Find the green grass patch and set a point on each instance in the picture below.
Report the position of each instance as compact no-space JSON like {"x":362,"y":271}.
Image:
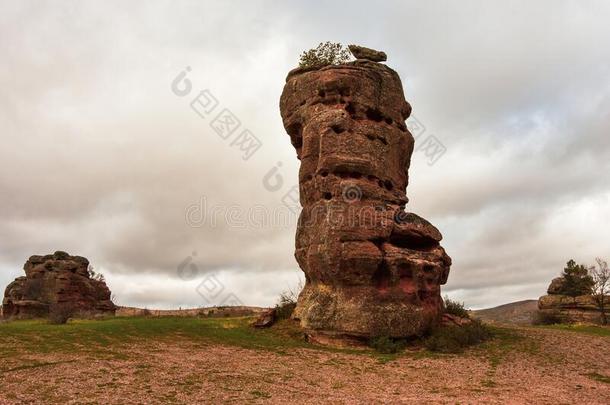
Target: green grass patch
{"x":111,"y":338}
{"x":587,"y":329}
{"x":387,"y":345}
{"x":506,"y":341}
{"x":454,"y":339}
{"x":599,"y":377}
{"x":260,"y":394}
{"x":35,"y":365}
{"x":103,"y":336}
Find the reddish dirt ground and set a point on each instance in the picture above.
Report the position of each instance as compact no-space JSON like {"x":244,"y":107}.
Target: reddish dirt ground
{"x":548,"y":366}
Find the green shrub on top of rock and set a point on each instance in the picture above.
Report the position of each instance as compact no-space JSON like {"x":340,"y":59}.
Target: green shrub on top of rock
{"x":327,"y":53}
{"x":576,"y":280}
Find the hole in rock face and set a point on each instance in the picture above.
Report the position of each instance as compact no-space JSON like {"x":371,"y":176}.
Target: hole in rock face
{"x":321,"y":93}
{"x":349,"y":107}
{"x":388,"y":185}
{"x":308,"y":177}
{"x":405,"y":271}
{"x":295,"y":129}
{"x":413,"y":242}
{"x":374,"y":115}
{"x":389,"y":121}
{"x":337,"y":129}
{"x":378,"y":242}
{"x":328,"y":196}
{"x":324,"y":173}
{"x":346,"y":173}
{"x":383,"y":140}
{"x":428,"y":268}
{"x":424,"y":294}
{"x":382,"y":276}
{"x":371,"y":137}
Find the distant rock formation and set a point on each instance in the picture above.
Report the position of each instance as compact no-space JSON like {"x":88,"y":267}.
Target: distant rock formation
{"x":569,"y":309}
{"x":371,"y":268}
{"x":57,"y":279}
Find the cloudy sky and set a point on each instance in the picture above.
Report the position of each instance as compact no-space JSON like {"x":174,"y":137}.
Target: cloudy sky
{"x":101,"y":158}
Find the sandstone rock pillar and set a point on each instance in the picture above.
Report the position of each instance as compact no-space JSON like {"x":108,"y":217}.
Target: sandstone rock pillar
{"x":370,"y":267}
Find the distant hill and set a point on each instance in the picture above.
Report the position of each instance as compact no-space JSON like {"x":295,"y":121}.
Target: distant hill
{"x":519,"y":312}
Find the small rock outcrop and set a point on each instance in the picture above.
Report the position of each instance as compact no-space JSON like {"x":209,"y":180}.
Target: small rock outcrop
{"x":370,"y":267}
{"x":265,"y":319}
{"x":57,"y":279}
{"x":361,"y":52}
{"x":454,"y":320}
{"x":569,"y":309}
{"x":557,"y":286}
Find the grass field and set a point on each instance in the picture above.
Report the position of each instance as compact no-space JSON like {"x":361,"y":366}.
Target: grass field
{"x":588,"y":329}
{"x":38,"y":336}
{"x":195,"y":360}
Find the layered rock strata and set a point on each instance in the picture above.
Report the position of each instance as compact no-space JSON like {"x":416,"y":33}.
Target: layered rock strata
{"x":569,"y":309}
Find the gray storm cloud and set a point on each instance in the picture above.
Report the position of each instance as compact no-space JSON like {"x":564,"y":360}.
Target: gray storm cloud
{"x":100,"y":158}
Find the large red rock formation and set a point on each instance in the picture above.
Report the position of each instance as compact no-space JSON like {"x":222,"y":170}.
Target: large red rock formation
{"x":57,"y":279}
{"x":371,"y":268}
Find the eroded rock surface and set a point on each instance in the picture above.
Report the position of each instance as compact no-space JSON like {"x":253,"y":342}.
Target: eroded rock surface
{"x":55,"y":279}
{"x":371,"y":268}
